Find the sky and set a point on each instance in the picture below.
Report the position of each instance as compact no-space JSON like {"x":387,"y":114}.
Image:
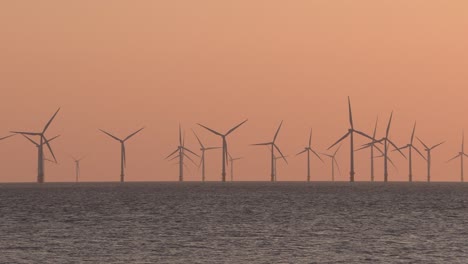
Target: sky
{"x":122,"y":65}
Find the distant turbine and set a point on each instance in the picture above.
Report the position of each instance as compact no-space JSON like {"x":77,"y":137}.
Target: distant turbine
{"x":461,"y":154}
{"x":428,"y":159}
{"x":273,"y":147}
{"x":410,"y":147}
{"x":231,"y":159}
{"x":276,"y":171}
{"x":309,"y":149}
{"x":42,"y":141}
{"x":386,"y":142}
{"x":123,"y":159}
{"x":225,"y":150}
{"x":39,"y":147}
{"x":333,"y":162}
{"x":350,"y":133}
{"x":372,"y":145}
{"x":181,"y":155}
{"x":202,"y":159}
{"x":77,"y":167}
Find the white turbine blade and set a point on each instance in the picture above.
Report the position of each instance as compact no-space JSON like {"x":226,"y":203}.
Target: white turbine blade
{"x":375,"y":127}
{"x":50,"y":149}
{"x":458,"y":155}
{"x":50,"y":121}
{"x":211,"y":130}
{"x":5,"y":137}
{"x":191,"y":151}
{"x":350,"y":114}
{"x":336,"y":151}
{"x":173,"y":158}
{"x":188,"y":157}
{"x":280,"y":153}
{"x":234,"y":128}
{"x":301,"y":152}
{"x":365,"y":146}
{"x":124,"y":154}
{"x":310,"y":137}
{"x":134,"y":133}
{"x":325,"y":154}
{"x":419,"y":152}
{"x":262,"y":144}
{"x":199,"y":141}
{"x":277,"y":131}
{"x":110,"y":135}
{"x":339,"y":140}
{"x":175,"y":151}
{"x":210,"y":148}
{"x":422,"y":143}
{"x":395,"y":146}
{"x":379,"y":150}
{"x":313,"y":151}
{"x":27,"y":133}
{"x":401,"y":148}
{"x":435,"y":146}
{"x":393,"y":164}
{"x":363,"y":134}
{"x":412,"y":134}
{"x":338,"y":166}
{"x":388,"y":126}
{"x":32,"y":141}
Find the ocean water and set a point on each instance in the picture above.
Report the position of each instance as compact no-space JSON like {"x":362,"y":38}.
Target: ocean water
{"x":243,"y":222}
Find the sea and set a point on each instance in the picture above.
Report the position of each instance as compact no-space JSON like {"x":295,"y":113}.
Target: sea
{"x":234,"y":222}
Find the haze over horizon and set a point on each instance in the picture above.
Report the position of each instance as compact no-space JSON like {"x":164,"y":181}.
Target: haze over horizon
{"x":157,"y":64}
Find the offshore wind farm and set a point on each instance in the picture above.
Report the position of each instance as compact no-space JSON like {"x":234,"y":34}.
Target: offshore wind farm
{"x":233,"y":131}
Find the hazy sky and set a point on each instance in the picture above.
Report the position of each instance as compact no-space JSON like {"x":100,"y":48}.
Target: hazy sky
{"x":120,"y":65}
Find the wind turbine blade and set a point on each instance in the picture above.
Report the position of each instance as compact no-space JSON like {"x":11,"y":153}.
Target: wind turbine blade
{"x":465,"y":155}
{"x":393,"y":164}
{"x":26,"y":133}
{"x":379,"y":150}
{"x":173,"y":158}
{"x":124,"y":154}
{"x":401,"y":148}
{"x":301,"y":152}
{"x":50,"y":121}
{"x":234,"y":128}
{"x":339,"y":140}
{"x":226,"y":152}
{"x":375,"y":127}
{"x":364,"y":147}
{"x":211,"y":130}
{"x":201,"y":160}
{"x":338,"y":166}
{"x":262,"y":144}
{"x":395,"y":146}
{"x":110,"y":135}
{"x":175,"y":151}
{"x":199,"y":141}
{"x":191,"y":151}
{"x":463,"y":140}
{"x":310,"y":137}
{"x":180,"y":136}
{"x":49,"y":140}
{"x":28,"y":138}
{"x":336,"y":151}
{"x":363,"y":134}
{"x":325,"y":154}
{"x":388,"y":126}
{"x":313,"y":151}
{"x":188,"y":157}
{"x":50,"y":150}
{"x":422,"y":143}
{"x":458,"y":155}
{"x":350,"y":114}
{"x":412,"y":134}
{"x":134,"y":133}
{"x":280,"y":153}
{"x":210,"y":148}
{"x":419,"y":152}
{"x":277,"y":131}
{"x":5,"y":137}
{"x":435,"y":146}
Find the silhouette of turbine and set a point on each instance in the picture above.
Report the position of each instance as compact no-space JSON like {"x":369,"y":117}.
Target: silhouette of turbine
{"x":386,"y":142}
{"x":333,"y":162}
{"x":202,"y":159}
{"x":428,"y":158}
{"x":275,"y":159}
{"x":350,"y":133}
{"x":309,"y":149}
{"x":181,"y":155}
{"x":5,"y":137}
{"x":410,"y":147}
{"x":461,"y":154}
{"x":273,"y":147}
{"x":225,"y":147}
{"x":231,"y":159}
{"x":123,"y":157}
{"x":42,"y":141}
{"x":77,"y":167}
{"x":38,"y":148}
{"x":372,"y":145}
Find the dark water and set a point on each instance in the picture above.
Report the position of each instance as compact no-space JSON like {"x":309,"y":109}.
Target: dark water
{"x":234,"y":223}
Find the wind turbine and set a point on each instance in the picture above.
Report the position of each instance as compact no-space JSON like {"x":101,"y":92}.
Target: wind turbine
{"x":39,"y":147}
{"x":461,"y":154}
{"x":276,"y":172}
{"x":333,"y":162}
{"x":231,"y":159}
{"x":386,"y":142}
{"x":123,"y":159}
{"x":202,"y":159}
{"x":309,"y":149}
{"x":181,"y":155}
{"x":428,"y":158}
{"x":350,"y":133}
{"x":410,"y":147}
{"x":372,"y":145}
{"x":77,"y":167}
{"x":42,"y":141}
{"x":225,"y":151}
{"x":273,"y":147}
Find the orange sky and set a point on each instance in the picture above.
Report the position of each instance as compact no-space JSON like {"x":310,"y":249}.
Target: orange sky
{"x":127,"y":64}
